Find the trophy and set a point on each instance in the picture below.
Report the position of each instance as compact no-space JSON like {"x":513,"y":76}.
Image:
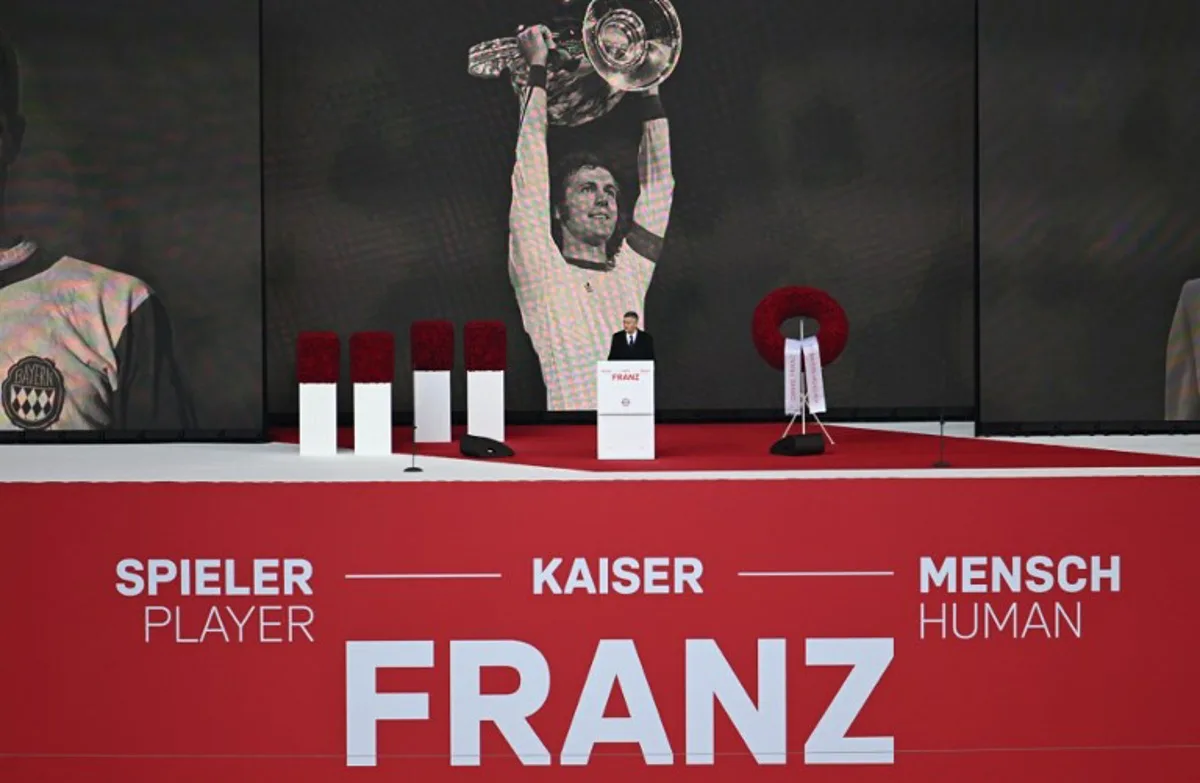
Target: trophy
{"x":618,"y":46}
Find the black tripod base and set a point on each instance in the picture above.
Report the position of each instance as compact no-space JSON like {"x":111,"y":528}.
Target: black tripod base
{"x":413,"y":469}
{"x":799,"y":446}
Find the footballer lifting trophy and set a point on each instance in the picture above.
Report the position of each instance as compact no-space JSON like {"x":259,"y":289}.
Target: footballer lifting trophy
{"x":618,"y":46}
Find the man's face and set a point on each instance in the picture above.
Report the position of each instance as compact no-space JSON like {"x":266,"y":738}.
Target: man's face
{"x":589,"y":208}
{"x":630,"y":324}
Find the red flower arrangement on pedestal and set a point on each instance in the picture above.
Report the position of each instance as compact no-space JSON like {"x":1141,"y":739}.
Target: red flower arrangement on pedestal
{"x":783,"y":304}
{"x":372,"y":357}
{"x":432,"y":344}
{"x":318,"y":357}
{"x":486,"y":346}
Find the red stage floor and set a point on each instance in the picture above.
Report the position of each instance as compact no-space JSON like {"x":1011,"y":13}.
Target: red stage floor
{"x":720,"y":447}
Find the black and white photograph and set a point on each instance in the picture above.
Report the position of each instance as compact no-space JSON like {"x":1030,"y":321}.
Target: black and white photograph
{"x":130,"y":272}
{"x":577,"y":265}
{"x":419,"y":168}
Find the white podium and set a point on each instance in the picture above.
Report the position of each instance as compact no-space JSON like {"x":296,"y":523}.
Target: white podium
{"x":625,"y":410}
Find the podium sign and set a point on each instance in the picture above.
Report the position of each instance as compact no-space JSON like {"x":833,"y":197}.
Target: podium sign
{"x":626,"y":388}
{"x":625,"y":410}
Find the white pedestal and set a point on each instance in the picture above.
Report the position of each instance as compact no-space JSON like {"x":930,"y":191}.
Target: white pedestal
{"x":373,"y":419}
{"x":625,"y":411}
{"x":318,"y":419}
{"x":625,"y":437}
{"x":485,"y":404}
{"x":431,"y":406}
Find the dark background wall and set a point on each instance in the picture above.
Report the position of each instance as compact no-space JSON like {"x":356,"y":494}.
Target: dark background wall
{"x":1090,"y":203}
{"x":142,"y":155}
{"x":814,"y":143}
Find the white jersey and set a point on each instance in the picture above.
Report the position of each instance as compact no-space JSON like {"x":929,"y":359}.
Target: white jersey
{"x":571,"y":312}
{"x":83,"y":347}
{"x":571,"y":309}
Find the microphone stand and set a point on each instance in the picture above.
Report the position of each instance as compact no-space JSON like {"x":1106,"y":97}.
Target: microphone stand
{"x":941,"y":461}
{"x":413,"y":467}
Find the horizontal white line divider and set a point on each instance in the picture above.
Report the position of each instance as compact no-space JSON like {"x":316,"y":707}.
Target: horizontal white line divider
{"x":816,"y":573}
{"x":424,"y":576}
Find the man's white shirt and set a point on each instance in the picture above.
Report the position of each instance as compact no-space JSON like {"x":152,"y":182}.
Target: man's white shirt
{"x":571,"y":310}
{"x":83,"y":347}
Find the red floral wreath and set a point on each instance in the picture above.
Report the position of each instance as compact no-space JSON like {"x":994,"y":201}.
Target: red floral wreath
{"x":432,"y":346}
{"x":485,"y":346}
{"x":799,"y":302}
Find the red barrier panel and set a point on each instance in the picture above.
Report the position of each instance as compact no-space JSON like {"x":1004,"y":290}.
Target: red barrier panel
{"x":997,"y":630}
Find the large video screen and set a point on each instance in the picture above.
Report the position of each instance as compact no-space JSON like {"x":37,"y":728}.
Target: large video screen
{"x":1090,"y":211}
{"x":130,"y":228}
{"x":795,"y":143}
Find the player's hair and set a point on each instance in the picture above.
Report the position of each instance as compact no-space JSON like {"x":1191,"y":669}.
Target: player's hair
{"x":10,"y":79}
{"x":631,"y":314}
{"x":563,"y":170}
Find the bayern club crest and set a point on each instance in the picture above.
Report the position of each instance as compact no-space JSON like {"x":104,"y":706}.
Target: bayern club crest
{"x":33,"y":393}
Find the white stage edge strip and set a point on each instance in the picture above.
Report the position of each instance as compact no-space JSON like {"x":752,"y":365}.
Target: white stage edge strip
{"x":318,"y":419}
{"x":485,"y":404}
{"x":431,"y":406}
{"x":373,"y":419}
{"x":276,"y":462}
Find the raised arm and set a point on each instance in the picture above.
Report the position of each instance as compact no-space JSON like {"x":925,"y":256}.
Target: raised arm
{"x":652,"y":212}
{"x":529,"y":213}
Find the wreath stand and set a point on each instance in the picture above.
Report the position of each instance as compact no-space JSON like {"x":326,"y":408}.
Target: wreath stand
{"x":772,"y":312}
{"x":804,"y":444}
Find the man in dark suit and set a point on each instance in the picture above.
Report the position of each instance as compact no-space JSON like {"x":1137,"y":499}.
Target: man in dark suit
{"x":631,"y":344}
